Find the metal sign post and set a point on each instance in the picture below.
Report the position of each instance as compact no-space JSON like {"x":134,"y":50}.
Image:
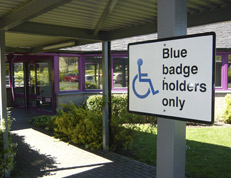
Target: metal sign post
{"x":173,"y":78}
{"x":106,"y":94}
{"x":171,"y":143}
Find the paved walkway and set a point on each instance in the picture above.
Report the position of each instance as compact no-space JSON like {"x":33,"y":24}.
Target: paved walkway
{"x":40,"y":155}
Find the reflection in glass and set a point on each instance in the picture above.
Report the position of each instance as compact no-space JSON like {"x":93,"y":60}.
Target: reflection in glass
{"x":44,"y":86}
{"x":7,"y":75}
{"x":229,"y":71}
{"x":218,"y":71}
{"x":93,"y":73}
{"x":31,"y":79}
{"x":120,"y":72}
{"x":68,"y":73}
{"x":18,"y":78}
{"x":43,"y":80}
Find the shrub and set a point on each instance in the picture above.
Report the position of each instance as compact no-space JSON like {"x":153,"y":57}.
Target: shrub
{"x":61,"y":76}
{"x":120,"y":109}
{"x":7,"y":165}
{"x":226,"y":116}
{"x":95,"y":102}
{"x":79,"y":125}
{"x":91,"y":85}
{"x":121,"y":136}
{"x":83,"y":124}
{"x":46,"y":122}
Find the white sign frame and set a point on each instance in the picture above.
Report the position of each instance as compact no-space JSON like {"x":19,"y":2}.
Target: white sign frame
{"x":173,"y":77}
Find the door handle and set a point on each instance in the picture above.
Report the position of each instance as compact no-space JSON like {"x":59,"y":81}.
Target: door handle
{"x":39,"y":98}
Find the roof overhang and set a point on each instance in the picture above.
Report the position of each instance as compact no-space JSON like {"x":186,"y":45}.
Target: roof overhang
{"x":32,"y":25}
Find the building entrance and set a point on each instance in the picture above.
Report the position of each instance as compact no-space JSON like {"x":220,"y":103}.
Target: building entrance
{"x":33,"y":86}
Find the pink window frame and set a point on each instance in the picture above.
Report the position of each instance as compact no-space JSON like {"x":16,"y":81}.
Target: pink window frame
{"x":82,"y":72}
{"x":224,"y":71}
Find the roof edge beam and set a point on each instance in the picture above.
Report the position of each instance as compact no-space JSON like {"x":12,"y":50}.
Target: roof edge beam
{"x":222,"y":14}
{"x":108,"y":9}
{"x":28,"y":11}
{"x":17,"y":50}
{"x":54,"y":46}
{"x":54,"y":30}
{"x":131,"y":31}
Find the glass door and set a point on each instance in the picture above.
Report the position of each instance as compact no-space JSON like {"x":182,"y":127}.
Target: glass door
{"x":39,"y":87}
{"x":18,"y":84}
{"x":44,"y":88}
{"x":218,"y":76}
{"x":31,"y":87}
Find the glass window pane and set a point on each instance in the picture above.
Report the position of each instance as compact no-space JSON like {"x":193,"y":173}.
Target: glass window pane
{"x":43,"y":80}
{"x":18,"y":78}
{"x":7,"y":75}
{"x":229,"y":71}
{"x":68,"y":73}
{"x":218,"y":71}
{"x":44,"y":89}
{"x":93,"y":73}
{"x":120,"y":72}
{"x":31,"y":79}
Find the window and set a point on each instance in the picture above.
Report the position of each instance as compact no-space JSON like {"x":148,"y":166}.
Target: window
{"x":7,"y":75}
{"x":85,"y":73}
{"x":223,"y":71}
{"x":93,"y":73}
{"x":68,"y":73}
{"x":120,"y":72}
{"x":18,"y":78}
{"x":229,"y":71}
{"x":218,"y":71}
{"x":31,"y":79}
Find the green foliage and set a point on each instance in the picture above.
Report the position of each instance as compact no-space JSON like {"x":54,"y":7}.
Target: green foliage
{"x":226,"y":116}
{"x":120,"y":109}
{"x":61,"y":76}
{"x":79,"y":125}
{"x":91,"y":85}
{"x":95,"y":102}
{"x":46,"y":122}
{"x":7,"y":165}
{"x":19,"y":77}
{"x":121,"y":136}
{"x":83,"y":125}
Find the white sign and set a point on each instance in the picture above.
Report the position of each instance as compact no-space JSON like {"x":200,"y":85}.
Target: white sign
{"x":173,"y":77}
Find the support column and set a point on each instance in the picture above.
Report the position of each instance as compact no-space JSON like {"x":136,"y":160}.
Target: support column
{"x":106,"y":93}
{"x":3,"y":100}
{"x":172,"y":21}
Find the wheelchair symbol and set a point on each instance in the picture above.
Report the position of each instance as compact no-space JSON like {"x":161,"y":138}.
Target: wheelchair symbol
{"x":144,"y":80}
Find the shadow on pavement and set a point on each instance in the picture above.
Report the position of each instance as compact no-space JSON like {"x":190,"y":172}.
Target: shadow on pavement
{"x":32,"y":163}
{"x":21,"y":118}
{"x":37,"y":161}
{"x":26,"y":154}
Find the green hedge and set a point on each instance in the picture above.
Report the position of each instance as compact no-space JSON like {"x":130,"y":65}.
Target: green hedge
{"x":83,"y":124}
{"x":91,"y":85}
{"x":120,"y":109}
{"x":7,"y":165}
{"x":122,"y":122}
{"x":226,"y":116}
{"x":79,"y":125}
{"x":46,"y":122}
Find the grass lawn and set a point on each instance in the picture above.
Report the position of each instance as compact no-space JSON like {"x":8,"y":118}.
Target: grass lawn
{"x":69,"y":86}
{"x":208,"y":150}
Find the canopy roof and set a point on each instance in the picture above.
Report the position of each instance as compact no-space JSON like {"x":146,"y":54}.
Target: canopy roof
{"x":42,"y":25}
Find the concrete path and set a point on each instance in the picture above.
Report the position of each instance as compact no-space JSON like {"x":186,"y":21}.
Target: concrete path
{"x":40,"y":155}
